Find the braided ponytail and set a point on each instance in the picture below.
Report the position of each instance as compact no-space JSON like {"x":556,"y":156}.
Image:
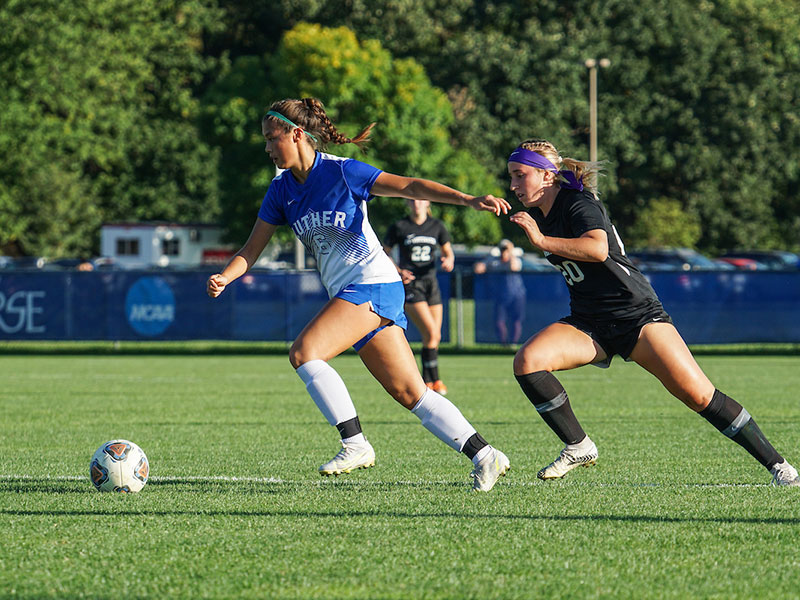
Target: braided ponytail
{"x":309,"y":114}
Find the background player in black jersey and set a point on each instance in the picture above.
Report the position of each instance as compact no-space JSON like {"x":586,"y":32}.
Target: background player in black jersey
{"x":614,"y":310}
{"x":417,"y":236}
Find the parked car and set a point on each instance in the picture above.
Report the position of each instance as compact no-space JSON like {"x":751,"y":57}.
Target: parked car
{"x":465,"y":258}
{"x":744,"y":264}
{"x":534,"y":262}
{"x":65,"y":263}
{"x":28,"y":262}
{"x":105,"y":263}
{"x":778,"y":260}
{"x":675,"y":259}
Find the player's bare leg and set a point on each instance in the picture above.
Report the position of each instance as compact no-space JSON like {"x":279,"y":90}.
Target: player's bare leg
{"x":390,"y":360}
{"x":662,"y":351}
{"x":558,"y":347}
{"x":334,"y":329}
{"x":428,"y":320}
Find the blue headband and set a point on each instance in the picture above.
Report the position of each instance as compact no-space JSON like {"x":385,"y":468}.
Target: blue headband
{"x":278,"y":115}
{"x":534,"y":159}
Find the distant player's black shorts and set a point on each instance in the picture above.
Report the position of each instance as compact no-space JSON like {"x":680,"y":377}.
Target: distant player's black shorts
{"x":618,"y":336}
{"x":424,"y":289}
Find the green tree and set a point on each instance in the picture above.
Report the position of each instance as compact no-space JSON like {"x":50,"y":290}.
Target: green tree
{"x":664,"y":223}
{"x":699,"y":104}
{"x":360,"y":82}
{"x":99,"y":119}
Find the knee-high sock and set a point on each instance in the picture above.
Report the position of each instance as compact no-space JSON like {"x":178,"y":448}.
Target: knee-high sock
{"x":550,"y":400}
{"x":328,"y":391}
{"x":731,"y":418}
{"x":430,"y":364}
{"x":443,"y":419}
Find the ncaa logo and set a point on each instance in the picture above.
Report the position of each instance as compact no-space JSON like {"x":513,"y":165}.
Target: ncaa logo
{"x":150,"y":306}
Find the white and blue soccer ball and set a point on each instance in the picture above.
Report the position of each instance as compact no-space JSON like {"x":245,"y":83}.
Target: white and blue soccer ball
{"x":119,"y":466}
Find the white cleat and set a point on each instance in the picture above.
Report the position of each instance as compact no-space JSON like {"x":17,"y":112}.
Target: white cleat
{"x":785,"y":474}
{"x":351,"y":456}
{"x":583,"y":454}
{"x":489,"y":469}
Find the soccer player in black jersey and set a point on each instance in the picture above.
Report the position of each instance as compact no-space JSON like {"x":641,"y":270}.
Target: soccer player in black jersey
{"x":417,"y":237}
{"x":614,"y":310}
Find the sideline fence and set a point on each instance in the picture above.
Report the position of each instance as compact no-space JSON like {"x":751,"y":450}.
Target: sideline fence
{"x":708,"y":307}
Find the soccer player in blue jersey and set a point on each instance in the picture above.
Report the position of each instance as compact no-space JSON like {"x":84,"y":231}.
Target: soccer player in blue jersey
{"x":324,"y":198}
{"x":614,"y":310}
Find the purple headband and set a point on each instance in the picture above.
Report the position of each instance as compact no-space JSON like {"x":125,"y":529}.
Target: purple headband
{"x":534,"y":159}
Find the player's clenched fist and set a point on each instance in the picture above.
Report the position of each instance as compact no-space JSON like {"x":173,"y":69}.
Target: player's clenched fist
{"x":216,"y":285}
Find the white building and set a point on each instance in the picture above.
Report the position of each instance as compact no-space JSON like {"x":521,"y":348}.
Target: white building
{"x":159,"y":244}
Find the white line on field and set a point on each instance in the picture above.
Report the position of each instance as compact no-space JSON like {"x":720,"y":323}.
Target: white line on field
{"x":361,"y":483}
{"x":176,"y":479}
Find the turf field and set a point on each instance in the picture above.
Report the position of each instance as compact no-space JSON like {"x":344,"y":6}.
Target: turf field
{"x":235,"y":507}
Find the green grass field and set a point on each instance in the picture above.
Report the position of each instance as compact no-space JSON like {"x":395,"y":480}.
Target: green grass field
{"x":235,"y":507}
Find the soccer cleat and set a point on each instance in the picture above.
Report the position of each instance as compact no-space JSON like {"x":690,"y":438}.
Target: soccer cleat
{"x":351,"y":456}
{"x":438,"y":387}
{"x":785,"y":474}
{"x":492,"y":467}
{"x":580,"y":455}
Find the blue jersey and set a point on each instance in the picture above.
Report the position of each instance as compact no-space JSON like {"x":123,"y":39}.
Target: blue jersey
{"x":328,"y":213}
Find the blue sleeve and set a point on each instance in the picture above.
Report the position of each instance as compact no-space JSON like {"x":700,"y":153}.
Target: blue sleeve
{"x":360,"y":177}
{"x":271,"y":209}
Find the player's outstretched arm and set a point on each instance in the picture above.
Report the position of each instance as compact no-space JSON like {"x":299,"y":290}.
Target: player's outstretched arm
{"x":414,"y":188}
{"x":244,"y":259}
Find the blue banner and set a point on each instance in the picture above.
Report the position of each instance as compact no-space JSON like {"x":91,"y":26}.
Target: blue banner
{"x":718,"y":307}
{"x":162,"y":305}
{"x":707,"y":307}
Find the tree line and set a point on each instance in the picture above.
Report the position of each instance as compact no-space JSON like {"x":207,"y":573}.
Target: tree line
{"x":121,"y":111}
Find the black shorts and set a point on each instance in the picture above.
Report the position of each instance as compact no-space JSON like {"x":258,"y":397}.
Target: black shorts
{"x":424,"y":289}
{"x":618,"y":336}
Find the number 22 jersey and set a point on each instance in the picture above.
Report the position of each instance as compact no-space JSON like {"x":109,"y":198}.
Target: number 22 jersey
{"x":608,"y":290}
{"x":417,"y":244}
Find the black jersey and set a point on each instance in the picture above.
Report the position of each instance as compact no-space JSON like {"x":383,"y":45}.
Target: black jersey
{"x":612,"y":289}
{"x":417,"y":244}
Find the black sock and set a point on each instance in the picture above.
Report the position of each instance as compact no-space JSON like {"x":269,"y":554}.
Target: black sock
{"x":729,"y":417}
{"x":349,"y":428}
{"x":473,"y":445}
{"x":430,"y":364}
{"x":550,"y":399}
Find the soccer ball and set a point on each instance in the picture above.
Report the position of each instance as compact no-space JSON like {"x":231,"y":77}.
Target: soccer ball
{"x":119,"y":466}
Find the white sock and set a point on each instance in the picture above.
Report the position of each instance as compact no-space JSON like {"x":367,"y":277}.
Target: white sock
{"x":443,"y":419}
{"x":584,"y":444}
{"x":328,"y":391}
{"x":357,"y":440}
{"x":480,"y":454}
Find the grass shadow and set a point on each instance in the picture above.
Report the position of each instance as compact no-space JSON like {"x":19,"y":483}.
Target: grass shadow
{"x":407,"y":515}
